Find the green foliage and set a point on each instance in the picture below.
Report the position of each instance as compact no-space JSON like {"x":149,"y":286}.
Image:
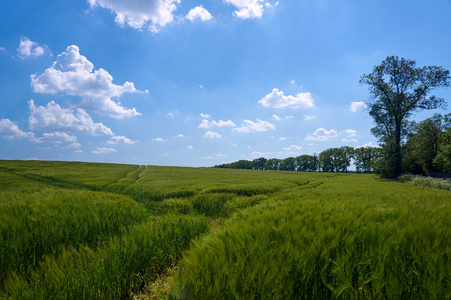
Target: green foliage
{"x":36,"y":219}
{"x":399,"y":89}
{"x":351,"y":237}
{"x":276,"y":235}
{"x":113,"y":271}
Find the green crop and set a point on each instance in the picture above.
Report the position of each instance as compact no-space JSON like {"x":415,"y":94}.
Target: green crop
{"x":73,"y":230}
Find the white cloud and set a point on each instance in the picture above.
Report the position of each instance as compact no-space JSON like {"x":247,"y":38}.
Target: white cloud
{"x":59,"y":137}
{"x":308,"y":118}
{"x":199,"y":12}
{"x":190,"y":147}
{"x":2,"y":49}
{"x":355,"y":106}
{"x":79,"y":151}
{"x":322,"y":134}
{"x":54,"y":118}
{"x":103,"y":150}
{"x":72,"y":74}
{"x":158,"y":139}
{"x":180,"y":135}
{"x":138,"y":14}
{"x":207,"y":157}
{"x":120,"y":139}
{"x":247,"y":8}
{"x":350,"y":132}
{"x":276,"y":117}
{"x":171,"y":115}
{"x":345,"y":140}
{"x":29,"y":49}
{"x":220,"y":123}
{"x":293,"y":148}
{"x":369,"y":144}
{"x":283,"y":138}
{"x":212,"y":135}
{"x":260,"y":125}
{"x":205,"y":116}
{"x":277,"y":99}
{"x":74,"y":146}
{"x":11,"y":131}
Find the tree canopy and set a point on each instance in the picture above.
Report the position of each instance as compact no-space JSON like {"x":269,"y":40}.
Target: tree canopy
{"x":398,"y":89}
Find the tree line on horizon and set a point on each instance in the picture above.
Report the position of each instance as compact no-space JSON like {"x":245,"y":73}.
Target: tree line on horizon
{"x":427,"y":150}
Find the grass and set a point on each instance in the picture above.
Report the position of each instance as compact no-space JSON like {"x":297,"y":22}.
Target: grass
{"x":103,"y":231}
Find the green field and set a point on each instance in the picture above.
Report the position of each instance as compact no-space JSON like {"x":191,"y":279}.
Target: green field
{"x":74,"y":230}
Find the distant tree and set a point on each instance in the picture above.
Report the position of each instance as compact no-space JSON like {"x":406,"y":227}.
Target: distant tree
{"x":347,"y":154}
{"x":272,"y":164}
{"x":398,"y":89}
{"x":288,"y":164}
{"x":259,"y":163}
{"x":365,"y":159}
{"x":306,"y":163}
{"x":326,"y":160}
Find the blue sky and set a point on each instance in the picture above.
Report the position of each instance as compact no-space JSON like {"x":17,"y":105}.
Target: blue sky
{"x":199,"y":83}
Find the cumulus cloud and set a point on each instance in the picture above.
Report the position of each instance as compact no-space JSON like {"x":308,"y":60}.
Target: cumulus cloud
{"x":138,"y":14}
{"x":205,"y":116}
{"x":220,"y":123}
{"x":247,"y":8}
{"x":260,"y":125}
{"x":322,"y":134}
{"x":53,"y":117}
{"x":201,"y":13}
{"x":2,"y":49}
{"x":120,"y":139}
{"x":356,"y":106}
{"x":11,"y":131}
{"x":158,"y":139}
{"x":212,"y":135}
{"x":73,"y":74}
{"x":277,"y":99}
{"x":30,"y":49}
{"x":103,"y":150}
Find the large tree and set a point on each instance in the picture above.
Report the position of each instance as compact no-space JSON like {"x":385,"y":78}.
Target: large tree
{"x":398,"y":89}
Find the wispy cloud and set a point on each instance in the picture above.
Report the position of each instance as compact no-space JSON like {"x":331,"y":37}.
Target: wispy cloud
{"x":103,"y":150}
{"x":258,"y":126}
